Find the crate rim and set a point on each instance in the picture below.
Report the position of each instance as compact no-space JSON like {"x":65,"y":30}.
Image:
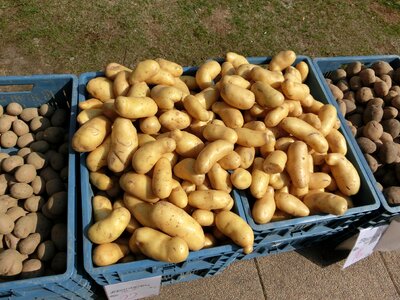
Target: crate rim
{"x":367,"y":58}
{"x":71,"y":259}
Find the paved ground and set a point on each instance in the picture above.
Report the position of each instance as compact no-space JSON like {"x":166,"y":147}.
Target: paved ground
{"x":311,"y":274}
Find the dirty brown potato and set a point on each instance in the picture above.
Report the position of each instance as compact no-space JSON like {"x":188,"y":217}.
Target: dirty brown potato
{"x":39,"y":124}
{"x":350,"y":106}
{"x":372,"y":162}
{"x":20,"y":127}
{"x":21,"y":190}
{"x":46,"y":250}
{"x":355,"y":83}
{"x":338,"y":74}
{"x":373,"y":130}
{"x":59,"y":262}
{"x":381,"y":89}
{"x":25,"y":173}
{"x":46,"y":110}
{"x":29,"y":113}
{"x":364,"y":94}
{"x":29,"y":244}
{"x":59,"y":117}
{"x":372,"y":113}
{"x":11,"y":163}
{"x":40,"y":146}
{"x":353,"y":68}
{"x":58,"y":236}
{"x":390,"y":112}
{"x":57,"y":203}
{"x":14,"y":109}
{"x":392,"y":126}
{"x":388,"y":152}
{"x":381,"y":68}
{"x":32,"y":268}
{"x":366,"y":145}
{"x":8,"y":139}
{"x":392,"y":194}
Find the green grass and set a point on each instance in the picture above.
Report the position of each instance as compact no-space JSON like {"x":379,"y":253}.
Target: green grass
{"x":78,"y":36}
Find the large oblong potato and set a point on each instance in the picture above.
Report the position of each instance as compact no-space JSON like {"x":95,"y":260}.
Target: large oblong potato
{"x":170,"y":66}
{"x":291,"y":205}
{"x":110,"y":228}
{"x":252,"y":138}
{"x":185,"y":169}
{"x":91,"y":134}
{"x":282,"y":60}
{"x":231,"y":116}
{"x":337,"y":142}
{"x":213,"y":132}
{"x":264,"y":208}
{"x":174,"y":119}
{"x":267,"y":77}
{"x":209,"y":200}
{"x":266,"y":95}
{"x":135,"y":107}
{"x":234,"y":227}
{"x":138,"y":185}
{"x":295,"y":90}
{"x":144,"y":70}
{"x":146,"y":156}
{"x":297,"y":164}
{"x":195,"y":109}
{"x":159,"y":246}
{"x":100,"y":88}
{"x":212,"y":153}
{"x":187,"y":145}
{"x":140,"y":210}
{"x":328,"y":116}
{"x":207,"y":73}
{"x":326,"y":202}
{"x":174,"y":221}
{"x":237,"y":96}
{"x":162,"y":178}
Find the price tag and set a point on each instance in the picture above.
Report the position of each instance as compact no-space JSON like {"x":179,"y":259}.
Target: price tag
{"x":135,"y":289}
{"x":365,"y":244}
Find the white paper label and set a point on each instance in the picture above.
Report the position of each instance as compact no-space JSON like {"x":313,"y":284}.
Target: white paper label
{"x":390,"y":240}
{"x":365,"y":244}
{"x":135,"y":289}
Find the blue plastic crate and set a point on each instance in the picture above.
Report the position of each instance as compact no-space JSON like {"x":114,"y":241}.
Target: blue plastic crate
{"x":60,"y":91}
{"x":324,"y":65}
{"x":366,"y":201}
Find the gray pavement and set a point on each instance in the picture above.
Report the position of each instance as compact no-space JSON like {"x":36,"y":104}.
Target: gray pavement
{"x":309,"y":274}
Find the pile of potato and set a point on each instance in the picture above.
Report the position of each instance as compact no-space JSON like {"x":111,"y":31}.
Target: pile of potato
{"x":33,"y":191}
{"x":166,"y":149}
{"x":369,"y":98}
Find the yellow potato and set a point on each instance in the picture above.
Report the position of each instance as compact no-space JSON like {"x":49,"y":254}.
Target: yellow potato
{"x":160,"y":246}
{"x":166,"y":96}
{"x":298,"y":192}
{"x":170,"y":66}
{"x":344,"y":173}
{"x":245,"y":71}
{"x":174,"y":221}
{"x":275,"y":162}
{"x":204,"y":217}
{"x":144,"y":70}
{"x":307,"y":102}
{"x":231,"y":116}
{"x":255,"y":125}
{"x":236,"y":59}
{"x":241,"y":179}
{"x":237,"y":96}
{"x":252,"y":138}
{"x":264,"y":208}
{"x":276,"y":115}
{"x":293,"y":73}
{"x":135,"y":107}
{"x":100,"y":88}
{"x":187,"y":145}
{"x":112,"y":69}
{"x":219,"y":178}
{"x":138,"y":185}
{"x":121,"y":84}
{"x":174,"y":119}
{"x":209,"y":199}
{"x":185,"y":169}
{"x":295,"y":109}
{"x":283,"y":143}
{"x":259,"y":179}
{"x":319,"y":180}
{"x":118,"y":203}
{"x":190,"y":81}
{"x":326,"y":203}
{"x":178,"y":195}
{"x":108,"y":254}
{"x":230,"y":161}
{"x":195,"y":108}
{"x":279,"y":180}
{"x":303,"y":69}
{"x":305,"y":132}
{"x":294,"y":90}
{"x":234,"y":227}
{"x":109,"y":109}
{"x":144,"y":138}
{"x":208,"y":97}
{"x":161,"y":77}
{"x":150,"y":125}
{"x":297,"y":164}
{"x":162,"y":178}
{"x":91,"y":103}
{"x":124,"y":143}
{"x":291,"y":205}
{"x":266,"y":95}
{"x":210,"y":240}
{"x":247,"y":155}
{"x":235,"y":80}
{"x":91,"y":134}
{"x":314,"y":107}
{"x":140,"y":210}
{"x":102,"y":207}
{"x":98,"y":157}
{"x":328,"y":115}
{"x":180,"y":85}
{"x":100,"y":180}
{"x":212,"y":153}
{"x":266,"y":77}
{"x":188,"y":187}
{"x":139,"y":89}
{"x":207,"y":73}
{"x":147,"y":155}
{"x":269,"y":146}
{"x":227,"y":69}
{"x":282,"y":60}
{"x":110,"y":228}
{"x":280,"y":216}
{"x":214,"y":132}
{"x":88,"y":114}
{"x":257,"y":111}
{"x":311,"y":119}
{"x":337,"y":142}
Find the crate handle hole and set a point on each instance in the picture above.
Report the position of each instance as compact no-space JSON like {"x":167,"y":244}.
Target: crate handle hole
{"x":16,"y":88}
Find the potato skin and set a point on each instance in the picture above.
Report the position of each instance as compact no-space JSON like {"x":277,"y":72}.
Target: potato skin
{"x":91,"y":134}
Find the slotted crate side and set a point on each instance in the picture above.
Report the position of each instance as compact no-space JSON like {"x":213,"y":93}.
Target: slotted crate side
{"x":60,"y":91}
{"x":365,"y":201}
{"x":325,"y":65}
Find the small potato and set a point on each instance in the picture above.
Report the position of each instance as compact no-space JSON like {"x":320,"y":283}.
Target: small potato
{"x":25,"y":173}
{"x":195,"y":108}
{"x":11,"y":163}
{"x":174,"y":221}
{"x":252,"y":138}
{"x":326,"y":202}
{"x":259,"y":179}
{"x":14,"y":109}
{"x":159,"y":246}
{"x":59,"y":262}
{"x":381,"y":88}
{"x":231,"y":116}
{"x":247,"y":155}
{"x":255,"y":125}
{"x":373,"y":130}
{"x":166,"y":96}
{"x":212,"y":153}
{"x":91,"y":134}
{"x":178,"y":196}
{"x":58,"y":235}
{"x":391,"y":126}
{"x":29,"y":113}
{"x":29,"y":244}
{"x":319,"y":180}
{"x":366,"y":145}
{"x":206,"y":73}
{"x":267,"y":77}
{"x":390,"y":113}
{"x":381,"y":68}
{"x":275,"y":162}
{"x":241,"y":179}
{"x":174,"y":119}
{"x":10,"y":262}
{"x":138,"y":185}
{"x":38,"y":185}
{"x":150,"y":125}
{"x":6,"y":122}
{"x":111,"y":227}
{"x":367,"y":76}
{"x":372,"y":113}
{"x":232,"y":160}
{"x":101,"y":88}
{"x":190,"y":81}
{"x":121,"y":83}
{"x":336,"y":92}
{"x":26,"y":140}
{"x":8,"y":139}
{"x":97,"y":158}
{"x":264,"y":208}
{"x":20,"y":127}
{"x":112,"y":69}
{"x":209,"y":199}
{"x":291,"y":205}
{"x":46,"y":251}
{"x":282,"y":60}
{"x":344,"y":173}
{"x":162,"y":178}
{"x":39,"y":124}
{"x":327,"y":115}
{"x":34,"y":203}
{"x":364,"y":94}
{"x":46,"y":110}
{"x":57,"y":204}
{"x":294,"y":90}
{"x":21,"y":190}
{"x":388,"y":152}
{"x":24,"y":152}
{"x":109,"y":253}
{"x":208,"y":97}
{"x":236,"y":229}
